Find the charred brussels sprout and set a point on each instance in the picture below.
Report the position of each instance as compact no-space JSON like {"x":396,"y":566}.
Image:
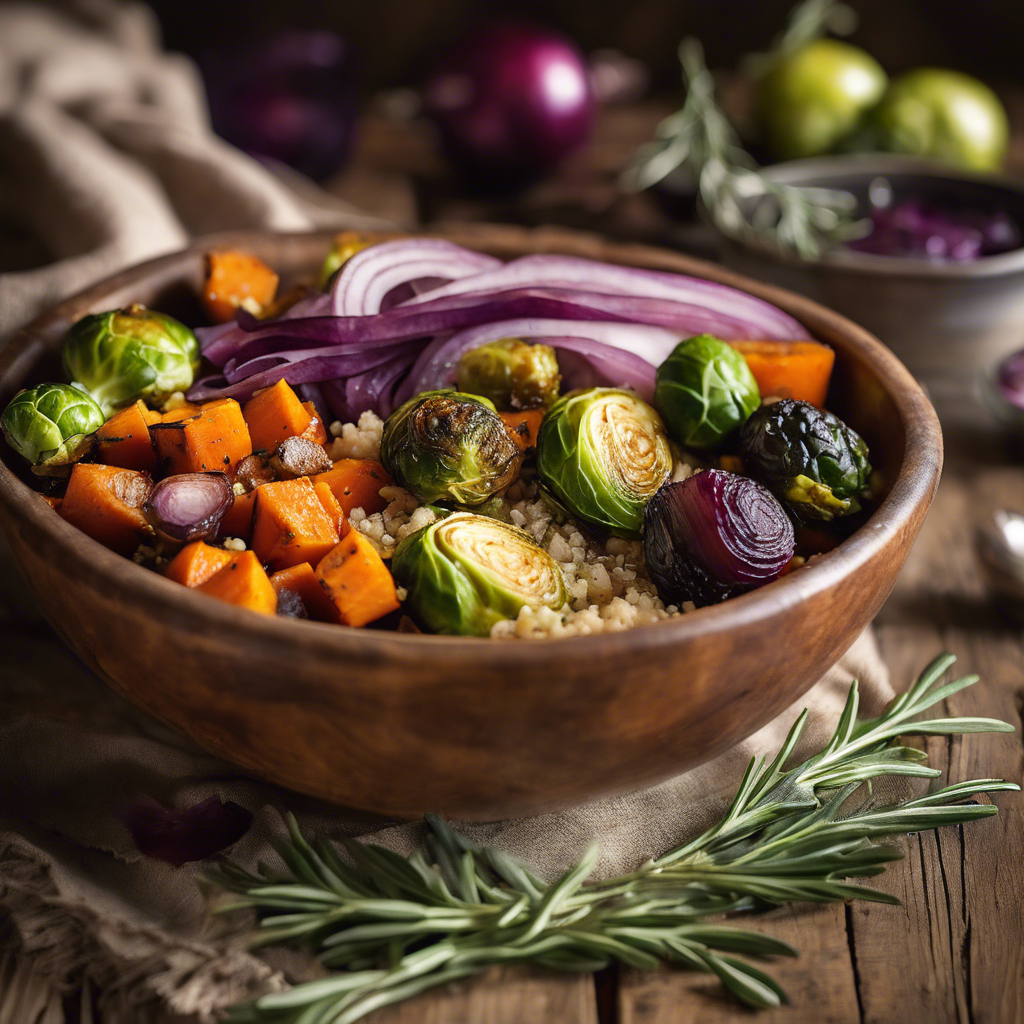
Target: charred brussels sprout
{"x":345,"y":246}
{"x":602,"y":453}
{"x":466,"y":572}
{"x":813,"y":462}
{"x":47,"y":423}
{"x":447,"y":446}
{"x":705,"y":391}
{"x":131,"y":353}
{"x":511,"y":373}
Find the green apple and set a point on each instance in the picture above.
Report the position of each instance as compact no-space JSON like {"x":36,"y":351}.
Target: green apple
{"x":811,"y":99}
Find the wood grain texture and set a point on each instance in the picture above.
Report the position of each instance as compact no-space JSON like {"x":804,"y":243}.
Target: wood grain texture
{"x":404,"y":724}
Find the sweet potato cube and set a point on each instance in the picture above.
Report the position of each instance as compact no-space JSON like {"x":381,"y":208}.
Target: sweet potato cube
{"x":316,"y":431}
{"x":302,"y":580}
{"x":106,"y":503}
{"x":183,"y":412}
{"x":124,"y":439}
{"x":358,"y":581}
{"x":273,"y":415}
{"x":290,"y":525}
{"x":195,"y":563}
{"x":330,"y":503}
{"x":243,"y":582}
{"x":214,"y":440}
{"x":356,"y":483}
{"x":237,"y":521}
{"x":237,"y":279}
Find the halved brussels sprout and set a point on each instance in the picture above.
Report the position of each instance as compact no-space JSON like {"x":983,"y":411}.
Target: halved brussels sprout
{"x":813,"y":462}
{"x":125,"y":354}
{"x":602,"y":453}
{"x":466,"y":572}
{"x":511,"y":373}
{"x":448,"y":446}
{"x":705,"y":391}
{"x":49,"y":423}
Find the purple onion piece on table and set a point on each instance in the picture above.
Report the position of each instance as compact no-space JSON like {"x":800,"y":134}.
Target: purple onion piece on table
{"x":189,"y":506}
{"x":1010,"y":379}
{"x":713,"y":535}
{"x":192,"y":833}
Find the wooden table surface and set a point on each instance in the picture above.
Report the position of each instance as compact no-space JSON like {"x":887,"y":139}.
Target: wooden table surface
{"x":953,"y":951}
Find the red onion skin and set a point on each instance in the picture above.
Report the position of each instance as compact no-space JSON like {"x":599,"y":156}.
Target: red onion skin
{"x":713,"y":535}
{"x":189,"y":506}
{"x":180,"y":836}
{"x":513,"y":100}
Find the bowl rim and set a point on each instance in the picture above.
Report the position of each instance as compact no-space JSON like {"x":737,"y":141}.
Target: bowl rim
{"x":912,"y":487}
{"x":794,"y":172}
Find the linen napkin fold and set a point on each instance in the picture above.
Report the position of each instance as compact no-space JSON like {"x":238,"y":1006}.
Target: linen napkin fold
{"x":107,"y":157}
{"x":83,"y":902}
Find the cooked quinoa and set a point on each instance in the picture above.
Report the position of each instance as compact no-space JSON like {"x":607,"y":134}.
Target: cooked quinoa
{"x":606,"y":580}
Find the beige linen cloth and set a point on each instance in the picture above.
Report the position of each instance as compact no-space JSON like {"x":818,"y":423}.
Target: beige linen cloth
{"x":105,"y":160}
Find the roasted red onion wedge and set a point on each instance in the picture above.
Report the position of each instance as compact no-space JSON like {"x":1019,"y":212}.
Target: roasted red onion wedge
{"x":189,"y":506}
{"x":713,"y":535}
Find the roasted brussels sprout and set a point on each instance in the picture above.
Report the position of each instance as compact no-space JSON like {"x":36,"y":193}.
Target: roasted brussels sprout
{"x":813,"y":462}
{"x":448,"y":446}
{"x":466,"y":572}
{"x":511,"y":373}
{"x":346,"y":244}
{"x":705,"y":391}
{"x":601,"y":454}
{"x":48,"y":423}
{"x":131,"y":353}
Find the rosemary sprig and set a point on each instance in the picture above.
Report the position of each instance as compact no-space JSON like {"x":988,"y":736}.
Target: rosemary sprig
{"x":739,"y":199}
{"x":393,"y":926}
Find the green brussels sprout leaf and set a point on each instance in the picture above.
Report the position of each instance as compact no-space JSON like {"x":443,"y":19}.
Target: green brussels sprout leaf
{"x":49,"y":424}
{"x":446,"y":446}
{"x":466,"y":572}
{"x":602,"y":453}
{"x":704,"y":391}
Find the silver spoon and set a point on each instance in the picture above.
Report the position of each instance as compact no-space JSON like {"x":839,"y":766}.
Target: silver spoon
{"x":1000,"y":545}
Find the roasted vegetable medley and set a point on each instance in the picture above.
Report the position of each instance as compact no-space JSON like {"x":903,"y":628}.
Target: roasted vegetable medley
{"x":445,"y":443}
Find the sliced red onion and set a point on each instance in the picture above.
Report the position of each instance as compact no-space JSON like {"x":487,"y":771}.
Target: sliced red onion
{"x":189,"y":506}
{"x":192,"y":833}
{"x":368,"y":276}
{"x":541,"y":271}
{"x":713,"y":535}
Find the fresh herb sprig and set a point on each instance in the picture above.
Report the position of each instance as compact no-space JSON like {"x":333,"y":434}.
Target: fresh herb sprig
{"x":739,"y":199}
{"x":393,"y":926}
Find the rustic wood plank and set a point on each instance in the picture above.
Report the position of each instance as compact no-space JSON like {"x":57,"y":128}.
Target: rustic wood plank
{"x":820,"y":982}
{"x":501,"y":996}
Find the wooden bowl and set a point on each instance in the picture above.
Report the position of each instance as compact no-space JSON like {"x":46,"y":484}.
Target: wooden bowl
{"x":402,"y":724}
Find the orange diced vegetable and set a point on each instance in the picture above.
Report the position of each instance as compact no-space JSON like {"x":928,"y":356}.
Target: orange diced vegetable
{"x":53,"y":502}
{"x":183,"y":412}
{"x":237,"y":521}
{"x":273,"y":415}
{"x":316,"y":431}
{"x":215,"y":440}
{"x":151,"y":416}
{"x":302,"y":580}
{"x":523,"y":426}
{"x":789,"y":369}
{"x":243,"y":582}
{"x":330,"y":503}
{"x":357,"y":581}
{"x":237,"y":279}
{"x":356,"y":484}
{"x":124,"y":439}
{"x":106,"y":503}
{"x":195,"y":563}
{"x":290,"y":525}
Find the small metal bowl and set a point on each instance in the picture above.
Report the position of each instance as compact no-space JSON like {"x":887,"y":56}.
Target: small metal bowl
{"x":999,"y":542}
{"x":939,"y":318}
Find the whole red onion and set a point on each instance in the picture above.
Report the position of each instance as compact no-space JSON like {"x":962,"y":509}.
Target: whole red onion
{"x":713,"y":535}
{"x":290,"y":97}
{"x":1010,"y":379}
{"x":512,"y":99}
